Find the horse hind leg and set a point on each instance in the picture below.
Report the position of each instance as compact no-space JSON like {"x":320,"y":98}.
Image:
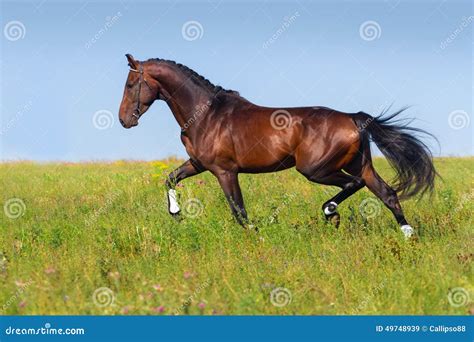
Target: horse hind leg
{"x":389,"y":197}
{"x":348,"y":183}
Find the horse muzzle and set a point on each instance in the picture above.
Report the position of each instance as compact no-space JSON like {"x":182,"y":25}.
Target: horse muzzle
{"x":129,"y":124}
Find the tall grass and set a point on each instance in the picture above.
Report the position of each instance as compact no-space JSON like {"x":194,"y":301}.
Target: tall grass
{"x":96,"y":238}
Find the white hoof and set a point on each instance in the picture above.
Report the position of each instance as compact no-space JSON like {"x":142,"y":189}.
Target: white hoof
{"x":173,"y":203}
{"x":407,"y":230}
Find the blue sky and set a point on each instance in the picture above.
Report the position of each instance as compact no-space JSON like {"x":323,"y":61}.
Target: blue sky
{"x":63,"y":64}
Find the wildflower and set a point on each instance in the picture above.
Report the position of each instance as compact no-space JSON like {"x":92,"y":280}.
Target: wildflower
{"x":158,"y":288}
{"x":50,"y":270}
{"x":159,"y":165}
{"x":159,"y":309}
{"x":19,"y":283}
{"x":114,"y":275}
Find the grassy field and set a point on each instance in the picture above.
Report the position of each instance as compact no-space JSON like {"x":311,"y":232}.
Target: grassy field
{"x":96,"y":238}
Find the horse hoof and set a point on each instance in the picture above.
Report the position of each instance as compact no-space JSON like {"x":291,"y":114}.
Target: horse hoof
{"x":250,"y":227}
{"x":176,"y":215}
{"x":335,"y":219}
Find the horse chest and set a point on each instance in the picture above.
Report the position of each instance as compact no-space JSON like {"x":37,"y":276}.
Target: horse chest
{"x":194,"y":149}
{"x":188,"y":145}
{"x":203,"y":150}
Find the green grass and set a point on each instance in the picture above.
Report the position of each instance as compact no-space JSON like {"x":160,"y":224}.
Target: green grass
{"x":94,"y":225}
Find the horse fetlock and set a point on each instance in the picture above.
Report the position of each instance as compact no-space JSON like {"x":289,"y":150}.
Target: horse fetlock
{"x":407,"y":230}
{"x":250,"y":227}
{"x":330,"y":208}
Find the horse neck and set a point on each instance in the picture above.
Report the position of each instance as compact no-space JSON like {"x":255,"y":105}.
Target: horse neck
{"x":186,"y":100}
{"x":189,"y":108}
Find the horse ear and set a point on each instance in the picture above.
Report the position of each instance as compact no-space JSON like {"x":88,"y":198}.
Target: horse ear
{"x":131,"y":61}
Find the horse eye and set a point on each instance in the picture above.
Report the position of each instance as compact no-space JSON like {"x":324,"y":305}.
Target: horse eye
{"x":129,"y":85}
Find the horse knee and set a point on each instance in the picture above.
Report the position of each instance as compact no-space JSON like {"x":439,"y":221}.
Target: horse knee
{"x":171,"y":181}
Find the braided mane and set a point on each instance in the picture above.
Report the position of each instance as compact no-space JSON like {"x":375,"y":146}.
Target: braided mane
{"x":194,"y":76}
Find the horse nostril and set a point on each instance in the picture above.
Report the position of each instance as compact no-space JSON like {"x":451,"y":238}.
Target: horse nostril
{"x":121,"y":121}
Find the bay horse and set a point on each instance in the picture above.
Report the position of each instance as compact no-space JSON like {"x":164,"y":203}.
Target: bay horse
{"x":226,"y":134}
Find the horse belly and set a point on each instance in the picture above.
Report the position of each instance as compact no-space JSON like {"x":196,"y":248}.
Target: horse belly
{"x":265,"y":156}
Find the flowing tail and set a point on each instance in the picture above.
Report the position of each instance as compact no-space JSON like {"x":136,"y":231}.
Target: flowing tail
{"x":406,"y":153}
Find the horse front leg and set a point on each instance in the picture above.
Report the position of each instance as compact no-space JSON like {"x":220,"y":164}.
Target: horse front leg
{"x":229,"y":183}
{"x":188,"y":169}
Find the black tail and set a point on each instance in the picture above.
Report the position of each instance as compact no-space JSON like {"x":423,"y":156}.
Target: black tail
{"x":407,"y":154}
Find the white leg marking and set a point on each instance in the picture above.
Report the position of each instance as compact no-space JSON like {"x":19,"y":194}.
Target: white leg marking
{"x":407,"y":230}
{"x":173,"y":203}
{"x":328,"y":211}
